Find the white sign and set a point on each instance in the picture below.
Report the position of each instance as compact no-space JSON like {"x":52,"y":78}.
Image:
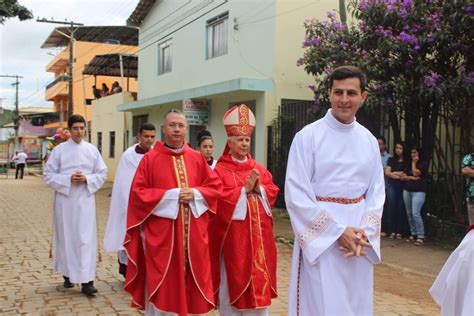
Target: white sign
{"x":196,"y":112}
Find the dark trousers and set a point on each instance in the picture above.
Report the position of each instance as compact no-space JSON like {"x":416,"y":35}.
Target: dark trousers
{"x":19,"y":167}
{"x":395,"y":210}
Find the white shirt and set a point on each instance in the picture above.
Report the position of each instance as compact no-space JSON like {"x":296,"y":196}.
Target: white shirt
{"x":20,"y":158}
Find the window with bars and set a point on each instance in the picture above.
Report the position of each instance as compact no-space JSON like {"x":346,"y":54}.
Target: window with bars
{"x":164,"y":57}
{"x":111,"y":144}
{"x":217,"y":36}
{"x":99,"y":141}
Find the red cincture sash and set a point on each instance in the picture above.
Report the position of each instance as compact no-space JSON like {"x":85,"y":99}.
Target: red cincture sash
{"x":340,"y":200}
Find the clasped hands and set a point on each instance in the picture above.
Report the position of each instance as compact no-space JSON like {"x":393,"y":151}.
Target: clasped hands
{"x":186,"y":195}
{"x":352,"y":242}
{"x":252,"y":183}
{"x":78,"y":177}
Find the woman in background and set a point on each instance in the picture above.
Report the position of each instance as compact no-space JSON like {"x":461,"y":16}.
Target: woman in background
{"x":394,"y":171}
{"x":414,"y":194}
{"x":205,"y":145}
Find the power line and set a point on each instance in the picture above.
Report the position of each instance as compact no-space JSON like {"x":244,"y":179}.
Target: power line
{"x":72,"y":30}
{"x":280,"y":14}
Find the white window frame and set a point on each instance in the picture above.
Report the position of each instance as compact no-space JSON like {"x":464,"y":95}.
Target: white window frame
{"x":165,"y":60}
{"x":217,"y":35}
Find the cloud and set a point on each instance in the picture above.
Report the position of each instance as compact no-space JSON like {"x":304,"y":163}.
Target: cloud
{"x":21,"y":52}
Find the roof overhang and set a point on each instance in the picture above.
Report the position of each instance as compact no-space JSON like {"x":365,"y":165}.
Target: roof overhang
{"x":109,"y":65}
{"x":140,"y":12}
{"x":124,"y":35}
{"x":240,"y":84}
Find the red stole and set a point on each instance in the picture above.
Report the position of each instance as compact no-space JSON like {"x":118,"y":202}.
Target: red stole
{"x":248,"y":246}
{"x":175,"y":269}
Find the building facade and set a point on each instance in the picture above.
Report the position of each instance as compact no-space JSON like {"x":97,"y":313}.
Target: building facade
{"x":218,"y":54}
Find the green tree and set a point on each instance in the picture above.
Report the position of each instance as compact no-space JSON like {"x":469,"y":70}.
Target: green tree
{"x":11,"y":9}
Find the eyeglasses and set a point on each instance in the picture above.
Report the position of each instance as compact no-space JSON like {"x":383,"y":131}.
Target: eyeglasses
{"x":176,"y":125}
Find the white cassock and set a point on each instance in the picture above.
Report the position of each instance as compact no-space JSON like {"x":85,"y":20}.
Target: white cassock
{"x":75,"y":239}
{"x":453,"y":289}
{"x":331,"y":159}
{"x":117,"y":222}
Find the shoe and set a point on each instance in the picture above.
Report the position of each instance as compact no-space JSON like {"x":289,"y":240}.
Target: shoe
{"x":392,"y":236}
{"x":411,"y":239}
{"x":88,"y":289}
{"x":383,"y":234}
{"x":419,"y":242}
{"x":399,"y":236}
{"x":67,"y":284}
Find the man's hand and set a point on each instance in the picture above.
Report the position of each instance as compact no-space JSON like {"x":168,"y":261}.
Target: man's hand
{"x":256,"y":187}
{"x":251,"y":180}
{"x":353,"y":241}
{"x":186,"y":195}
{"x":78,"y":178}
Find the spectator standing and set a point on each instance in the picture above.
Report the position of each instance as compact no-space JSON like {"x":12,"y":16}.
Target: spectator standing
{"x":105,"y":90}
{"x":468,"y":172}
{"x":20,"y":159}
{"x":414,"y":194}
{"x":116,"y":88}
{"x":395,"y":210}
{"x":384,"y":156}
{"x":96,"y":92}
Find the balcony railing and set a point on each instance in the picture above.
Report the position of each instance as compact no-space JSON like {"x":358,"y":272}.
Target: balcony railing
{"x":55,"y":81}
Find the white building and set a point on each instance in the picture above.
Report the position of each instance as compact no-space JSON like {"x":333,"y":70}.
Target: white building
{"x":223,"y":52}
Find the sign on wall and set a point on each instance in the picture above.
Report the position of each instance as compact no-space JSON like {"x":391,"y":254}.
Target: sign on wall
{"x":196,"y":112}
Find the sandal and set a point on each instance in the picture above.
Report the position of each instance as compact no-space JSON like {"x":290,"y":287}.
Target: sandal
{"x":419,"y":242}
{"x":392,"y":236}
{"x":411,"y":238}
{"x":399,"y":236}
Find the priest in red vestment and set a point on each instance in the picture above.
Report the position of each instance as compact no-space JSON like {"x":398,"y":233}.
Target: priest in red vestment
{"x":243,"y":246}
{"x":172,"y":198}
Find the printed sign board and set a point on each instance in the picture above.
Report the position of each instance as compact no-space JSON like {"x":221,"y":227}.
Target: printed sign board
{"x":196,"y":112}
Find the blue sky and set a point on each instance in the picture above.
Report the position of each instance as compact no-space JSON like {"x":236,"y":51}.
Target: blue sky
{"x":20,"y":52}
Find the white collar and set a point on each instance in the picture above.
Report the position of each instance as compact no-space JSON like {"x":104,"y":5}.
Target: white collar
{"x":238,"y":160}
{"x":335,"y":124}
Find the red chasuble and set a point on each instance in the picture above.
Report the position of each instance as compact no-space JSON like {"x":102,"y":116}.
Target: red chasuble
{"x":170,"y":257}
{"x":248,"y":246}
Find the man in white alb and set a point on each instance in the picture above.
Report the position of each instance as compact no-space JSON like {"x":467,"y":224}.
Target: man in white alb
{"x":117,"y":223}
{"x":334,"y":193}
{"x":75,"y":171}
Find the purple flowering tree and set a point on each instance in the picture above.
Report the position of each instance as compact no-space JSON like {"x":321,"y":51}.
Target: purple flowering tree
{"x":419,"y":59}
{"x":417,"y":54}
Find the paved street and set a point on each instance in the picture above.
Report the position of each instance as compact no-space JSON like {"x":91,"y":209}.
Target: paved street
{"x":28,"y":286}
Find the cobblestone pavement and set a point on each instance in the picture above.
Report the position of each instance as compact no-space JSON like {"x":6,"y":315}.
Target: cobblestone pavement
{"x":28,"y":286}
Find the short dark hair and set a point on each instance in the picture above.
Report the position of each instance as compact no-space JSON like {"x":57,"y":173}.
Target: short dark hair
{"x":76,"y":118}
{"x":382,"y":138}
{"x":146,"y":127}
{"x":175,"y":111}
{"x":345,"y":72}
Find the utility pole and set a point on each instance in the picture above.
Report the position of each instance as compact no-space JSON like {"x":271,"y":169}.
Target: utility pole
{"x":16,"y":118}
{"x":72,"y":29}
